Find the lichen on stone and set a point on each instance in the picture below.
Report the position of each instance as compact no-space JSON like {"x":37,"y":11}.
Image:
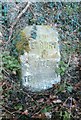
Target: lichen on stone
{"x":23,"y":44}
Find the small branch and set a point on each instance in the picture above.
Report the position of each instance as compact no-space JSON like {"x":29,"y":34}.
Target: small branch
{"x":69,"y":61}
{"x":3,"y":26}
{"x":7,"y":110}
{"x":15,"y":22}
{"x":36,"y":113}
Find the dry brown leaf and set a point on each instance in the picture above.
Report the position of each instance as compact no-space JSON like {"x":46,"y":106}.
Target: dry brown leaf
{"x":40,"y":100}
{"x":39,"y":116}
{"x":57,"y":101}
{"x":25,"y":112}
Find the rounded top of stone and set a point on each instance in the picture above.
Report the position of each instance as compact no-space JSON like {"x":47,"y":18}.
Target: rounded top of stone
{"x":37,"y":31}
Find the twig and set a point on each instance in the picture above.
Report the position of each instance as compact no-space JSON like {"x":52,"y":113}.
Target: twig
{"x":15,"y":22}
{"x":69,"y":61}
{"x":30,"y":97}
{"x":68,"y":65}
{"x":7,"y":110}
{"x":17,"y":111}
{"x":3,"y":26}
{"x":38,"y":111}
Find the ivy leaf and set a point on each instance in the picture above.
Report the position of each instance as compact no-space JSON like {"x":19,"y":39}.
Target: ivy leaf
{"x":69,"y":88}
{"x":46,"y":109}
{"x":18,"y":107}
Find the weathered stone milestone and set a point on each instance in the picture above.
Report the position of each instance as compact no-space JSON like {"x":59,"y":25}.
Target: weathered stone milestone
{"x":39,"y":64}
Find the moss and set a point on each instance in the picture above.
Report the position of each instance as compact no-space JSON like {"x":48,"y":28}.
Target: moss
{"x":23,"y":44}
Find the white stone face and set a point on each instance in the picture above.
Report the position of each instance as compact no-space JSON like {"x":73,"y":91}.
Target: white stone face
{"x":40,"y":63}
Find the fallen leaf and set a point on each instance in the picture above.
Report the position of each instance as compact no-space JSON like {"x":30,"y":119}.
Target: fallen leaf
{"x":40,"y":100}
{"x":70,"y":102}
{"x":39,"y":116}
{"x":14,"y":72}
{"x":48,"y":114}
{"x":1,"y":41}
{"x":57,"y":101}
{"x":53,"y":97}
{"x":25,"y":112}
{"x":1,"y":34}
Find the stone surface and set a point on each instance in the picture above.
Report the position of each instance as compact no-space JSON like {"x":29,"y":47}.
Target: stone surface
{"x":39,"y":64}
